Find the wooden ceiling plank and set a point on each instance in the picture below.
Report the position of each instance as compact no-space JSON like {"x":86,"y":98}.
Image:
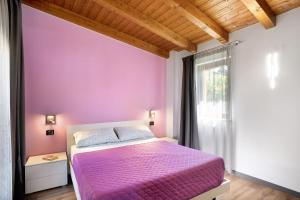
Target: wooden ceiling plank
{"x":116,"y":21}
{"x":188,"y":30}
{"x":180,"y":27}
{"x":200,"y":19}
{"x":94,"y":11}
{"x":211,"y":4}
{"x":194,"y":35}
{"x":175,"y":21}
{"x":101,"y":14}
{"x":86,"y":8}
{"x":77,"y":6}
{"x":134,"y":3}
{"x":152,"y":7}
{"x":280,"y":6}
{"x":262,"y":11}
{"x":223,"y":6}
{"x":200,"y":2}
{"x":68,"y":4}
{"x":165,"y":16}
{"x":59,"y":2}
{"x":146,"y":22}
{"x":124,"y":26}
{"x":144,"y":5}
{"x":107,"y":19}
{"x":92,"y":25}
{"x":146,"y":36}
{"x":157,"y":13}
{"x":234,"y":9}
{"x":203,"y":39}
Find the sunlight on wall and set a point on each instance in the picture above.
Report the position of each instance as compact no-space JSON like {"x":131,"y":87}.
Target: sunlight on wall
{"x":272,"y":69}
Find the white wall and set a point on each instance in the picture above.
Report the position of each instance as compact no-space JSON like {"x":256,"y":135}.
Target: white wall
{"x":174,"y":79}
{"x":267,"y":121}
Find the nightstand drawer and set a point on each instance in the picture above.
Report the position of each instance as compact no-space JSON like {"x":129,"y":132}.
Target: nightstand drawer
{"x":45,"y":170}
{"x":44,"y":183}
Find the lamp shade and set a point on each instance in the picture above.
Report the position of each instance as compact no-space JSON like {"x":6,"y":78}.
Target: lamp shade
{"x":152,"y":114}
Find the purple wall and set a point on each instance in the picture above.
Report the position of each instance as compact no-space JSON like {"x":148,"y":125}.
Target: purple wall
{"x":84,"y":77}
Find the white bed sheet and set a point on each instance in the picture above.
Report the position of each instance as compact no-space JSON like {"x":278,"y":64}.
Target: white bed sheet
{"x":75,"y":150}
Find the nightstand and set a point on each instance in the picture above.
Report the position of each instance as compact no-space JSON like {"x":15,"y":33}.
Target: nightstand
{"x":42,"y":174}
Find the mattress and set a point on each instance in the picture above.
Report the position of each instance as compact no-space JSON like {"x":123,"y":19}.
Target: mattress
{"x":151,"y":170}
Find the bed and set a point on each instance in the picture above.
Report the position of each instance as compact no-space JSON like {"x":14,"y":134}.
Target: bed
{"x":153,"y":168}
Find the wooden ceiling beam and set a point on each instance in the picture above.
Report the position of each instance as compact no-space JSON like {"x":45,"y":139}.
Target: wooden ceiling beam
{"x":262,"y":11}
{"x":95,"y":26}
{"x":200,"y":19}
{"x":147,"y":22}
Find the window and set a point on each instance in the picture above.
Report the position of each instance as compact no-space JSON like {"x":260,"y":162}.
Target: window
{"x":212,"y":86}
{"x":213,"y":103}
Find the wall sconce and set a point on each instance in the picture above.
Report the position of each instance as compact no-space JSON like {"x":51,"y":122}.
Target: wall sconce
{"x":151,"y":117}
{"x":50,"y":120}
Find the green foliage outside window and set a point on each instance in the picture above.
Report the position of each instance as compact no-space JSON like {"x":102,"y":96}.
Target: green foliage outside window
{"x":215,"y":84}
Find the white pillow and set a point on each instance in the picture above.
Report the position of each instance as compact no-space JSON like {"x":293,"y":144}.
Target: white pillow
{"x":133,"y":132}
{"x":94,"y":137}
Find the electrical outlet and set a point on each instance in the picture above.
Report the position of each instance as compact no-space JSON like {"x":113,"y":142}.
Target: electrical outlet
{"x":49,"y":132}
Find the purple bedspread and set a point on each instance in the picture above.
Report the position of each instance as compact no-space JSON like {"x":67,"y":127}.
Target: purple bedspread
{"x":155,"y":170}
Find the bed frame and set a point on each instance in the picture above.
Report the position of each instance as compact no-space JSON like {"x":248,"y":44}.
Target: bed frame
{"x":209,"y":195}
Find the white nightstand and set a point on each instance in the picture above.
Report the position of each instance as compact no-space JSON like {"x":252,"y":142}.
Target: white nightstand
{"x":41,"y":174}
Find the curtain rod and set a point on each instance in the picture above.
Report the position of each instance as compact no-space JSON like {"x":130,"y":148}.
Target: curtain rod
{"x":233,"y":43}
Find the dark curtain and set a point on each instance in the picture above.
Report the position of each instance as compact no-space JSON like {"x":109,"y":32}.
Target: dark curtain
{"x":188,"y":135}
{"x":17,"y":97}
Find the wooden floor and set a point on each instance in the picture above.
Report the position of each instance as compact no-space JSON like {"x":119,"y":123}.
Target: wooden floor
{"x":241,"y":189}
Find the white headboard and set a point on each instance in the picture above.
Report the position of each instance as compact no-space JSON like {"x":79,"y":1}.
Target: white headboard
{"x":84,"y":127}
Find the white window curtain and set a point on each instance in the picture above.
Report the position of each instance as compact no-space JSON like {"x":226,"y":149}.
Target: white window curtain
{"x":214,"y":104}
{"x":174,"y":87}
{"x":5,"y":131}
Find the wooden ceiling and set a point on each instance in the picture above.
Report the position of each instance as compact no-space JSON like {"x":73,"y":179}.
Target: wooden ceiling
{"x":159,"y":26}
